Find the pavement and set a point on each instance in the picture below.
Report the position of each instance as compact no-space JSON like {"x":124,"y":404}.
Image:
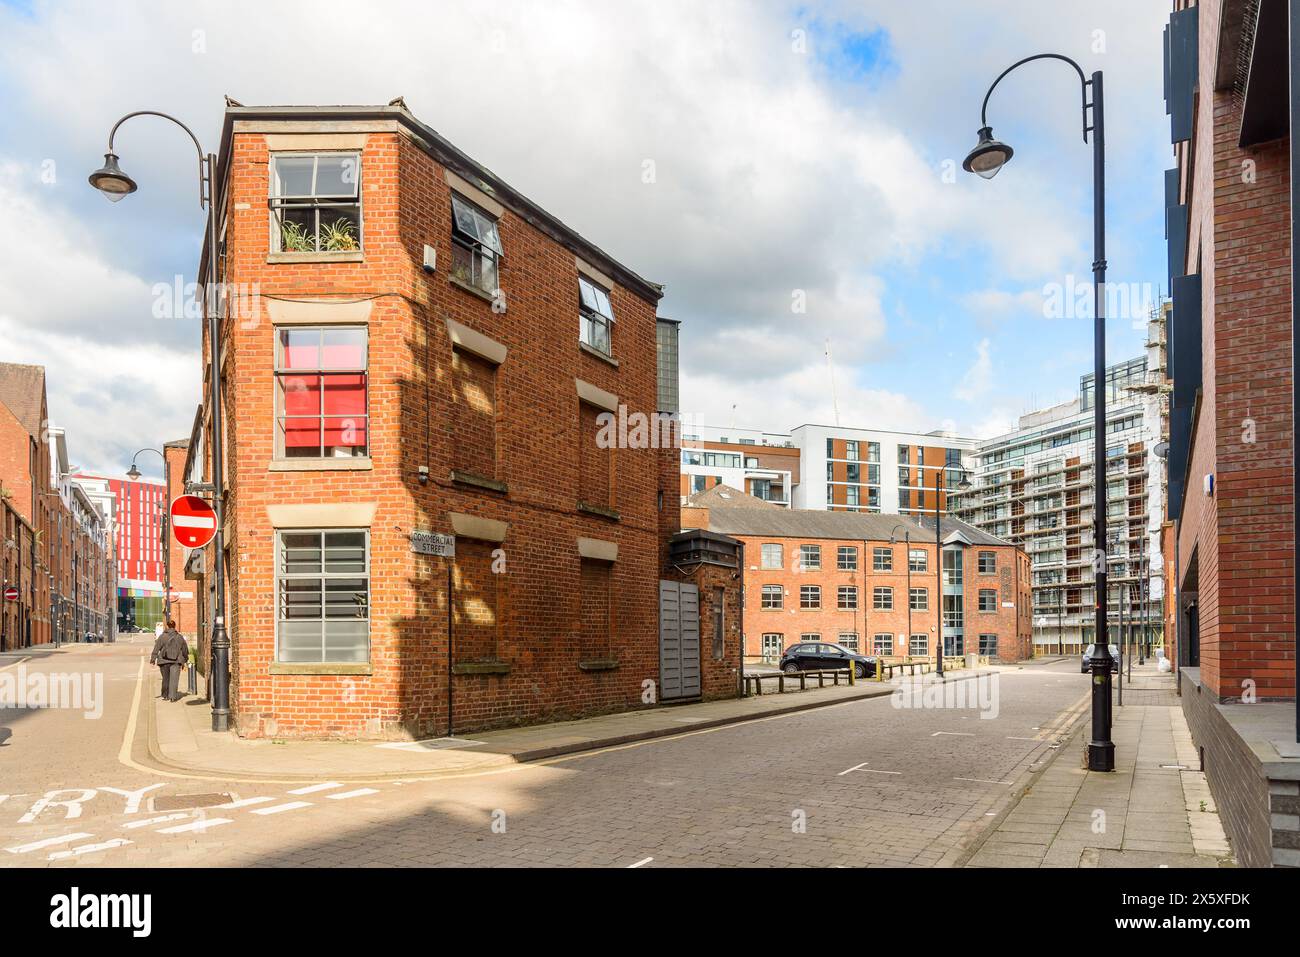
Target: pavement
{"x":179,"y":737}
{"x":1154,"y":810}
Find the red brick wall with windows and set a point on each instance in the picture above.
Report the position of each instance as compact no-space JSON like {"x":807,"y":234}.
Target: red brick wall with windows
{"x":1011,"y":625}
{"x":420,"y":397}
{"x":1240,"y":540}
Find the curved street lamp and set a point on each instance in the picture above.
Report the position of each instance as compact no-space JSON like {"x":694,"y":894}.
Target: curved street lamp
{"x":115,"y":184}
{"x":985,"y":160}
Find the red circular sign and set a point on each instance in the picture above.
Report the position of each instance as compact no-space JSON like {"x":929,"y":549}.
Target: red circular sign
{"x":11,"y":593}
{"x":193,"y":521}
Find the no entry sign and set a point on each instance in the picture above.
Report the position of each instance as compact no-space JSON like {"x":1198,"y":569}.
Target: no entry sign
{"x":11,"y":593}
{"x":193,"y":521}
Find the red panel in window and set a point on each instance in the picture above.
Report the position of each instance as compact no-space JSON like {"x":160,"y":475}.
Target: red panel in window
{"x":345,"y":433}
{"x":301,"y":394}
{"x":302,"y":433}
{"x":343,"y":355}
{"x":345,"y":394}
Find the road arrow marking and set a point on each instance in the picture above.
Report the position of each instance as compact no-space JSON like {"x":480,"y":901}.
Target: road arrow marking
{"x":88,"y":849}
{"x":48,"y":842}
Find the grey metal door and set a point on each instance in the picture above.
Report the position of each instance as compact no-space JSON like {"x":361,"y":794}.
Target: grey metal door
{"x":679,"y":640}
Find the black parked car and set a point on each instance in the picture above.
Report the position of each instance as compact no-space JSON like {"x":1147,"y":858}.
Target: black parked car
{"x":824,"y":656}
{"x":1086,"y":665}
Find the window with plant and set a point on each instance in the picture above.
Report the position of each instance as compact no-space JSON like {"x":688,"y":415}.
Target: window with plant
{"x":597,"y":316}
{"x":316,"y":202}
{"x":475,"y":246}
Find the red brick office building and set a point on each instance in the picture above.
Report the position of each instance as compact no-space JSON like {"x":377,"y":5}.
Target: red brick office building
{"x":422,"y":349}
{"x":856,"y":580}
{"x":1229,"y":219}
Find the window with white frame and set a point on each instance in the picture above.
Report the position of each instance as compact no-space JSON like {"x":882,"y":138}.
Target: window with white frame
{"x":847,"y":558}
{"x":811,"y":636}
{"x":849,"y":640}
{"x":771,"y":555}
{"x":773,"y":596}
{"x":988,"y":599}
{"x":315,"y":202}
{"x":882,"y":598}
{"x":988,"y":563}
{"x":321,"y":392}
{"x":810,"y":557}
{"x":917,"y":559}
{"x":919,"y":599}
{"x":597,"y":316}
{"x":989,"y":645}
{"x":919,"y":645}
{"x":882,"y":644}
{"x":882,"y":559}
{"x":475,"y":245}
{"x":810,"y":596}
{"x":323,"y":596}
{"x":848,"y":598}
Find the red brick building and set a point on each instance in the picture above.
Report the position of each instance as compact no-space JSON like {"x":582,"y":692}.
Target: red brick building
{"x":421,"y":349}
{"x":1229,"y":216}
{"x":870,"y":582}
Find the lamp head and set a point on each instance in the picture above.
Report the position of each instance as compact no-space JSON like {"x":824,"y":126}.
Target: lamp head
{"x":988,"y":156}
{"x":133,"y":473}
{"x":111,"y":181}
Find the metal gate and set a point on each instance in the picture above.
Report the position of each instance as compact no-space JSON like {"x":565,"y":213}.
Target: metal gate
{"x":679,"y":641}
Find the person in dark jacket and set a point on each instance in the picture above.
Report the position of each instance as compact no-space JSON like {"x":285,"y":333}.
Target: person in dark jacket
{"x":171,"y":653}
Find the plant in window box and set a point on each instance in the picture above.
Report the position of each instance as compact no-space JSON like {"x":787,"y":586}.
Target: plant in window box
{"x":339,"y":236}
{"x":294,"y":238}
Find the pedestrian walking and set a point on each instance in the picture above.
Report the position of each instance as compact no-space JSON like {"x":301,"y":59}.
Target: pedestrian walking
{"x":171,"y":653}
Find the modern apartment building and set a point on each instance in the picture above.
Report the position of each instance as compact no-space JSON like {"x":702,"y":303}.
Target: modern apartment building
{"x":762,"y":464}
{"x":428,"y":526}
{"x":1231,"y":227}
{"x":1034,"y":487}
{"x":873,"y":470}
{"x":871,"y":582}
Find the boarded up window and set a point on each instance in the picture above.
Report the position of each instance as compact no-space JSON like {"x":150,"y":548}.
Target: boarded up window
{"x":473,"y":410}
{"x":597,"y":618}
{"x":479,"y":602}
{"x":594,"y":459}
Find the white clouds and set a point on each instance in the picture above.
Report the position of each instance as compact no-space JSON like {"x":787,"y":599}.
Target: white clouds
{"x":978,"y":380}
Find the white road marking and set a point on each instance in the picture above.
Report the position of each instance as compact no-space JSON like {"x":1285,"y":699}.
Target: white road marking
{"x":1012,"y":737}
{"x":157,"y":820}
{"x":202,"y":824}
{"x":856,"y":767}
{"x":639,"y":863}
{"x":88,"y":849}
{"x":312,"y":788}
{"x":958,"y":734}
{"x":48,"y":842}
{"x":246,"y":802}
{"x":983,"y":781}
{"x":291,"y":806}
{"x":359,"y":792}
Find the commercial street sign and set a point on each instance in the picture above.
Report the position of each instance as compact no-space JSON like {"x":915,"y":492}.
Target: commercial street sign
{"x":433,"y":543}
{"x":193,"y":521}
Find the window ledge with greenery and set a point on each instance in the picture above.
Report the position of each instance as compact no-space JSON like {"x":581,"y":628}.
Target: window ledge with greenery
{"x":317,"y":257}
{"x":599,"y":664}
{"x":596,"y":353}
{"x":471,"y":288}
{"x":349,"y":464}
{"x":321,"y":668}
{"x":481,"y":668}
{"x":479,"y":481}
{"x":600,"y":510}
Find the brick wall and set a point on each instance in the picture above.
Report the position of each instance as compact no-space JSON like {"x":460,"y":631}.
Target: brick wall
{"x":420,"y":394}
{"x":1009,"y":580}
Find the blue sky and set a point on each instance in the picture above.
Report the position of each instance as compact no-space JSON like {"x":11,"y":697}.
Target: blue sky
{"x":799,"y":150}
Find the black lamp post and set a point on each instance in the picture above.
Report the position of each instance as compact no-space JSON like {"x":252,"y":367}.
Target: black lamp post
{"x":907,"y":539}
{"x":986,"y":159}
{"x":133,"y":474}
{"x":115,"y":184}
{"x":962,"y":484}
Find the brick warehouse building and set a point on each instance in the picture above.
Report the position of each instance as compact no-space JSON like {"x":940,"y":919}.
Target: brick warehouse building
{"x":422,"y":349}
{"x":1229,"y":218}
{"x":838,"y":577}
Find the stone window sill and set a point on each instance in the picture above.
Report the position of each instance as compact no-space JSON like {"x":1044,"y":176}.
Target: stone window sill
{"x":321,"y":668}
{"x":481,"y":668}
{"x":479,"y":481}
{"x":599,"y":664}
{"x":349,"y":257}
{"x":596,"y":353}
{"x":472,"y":289}
{"x":599,"y":510}
{"x":359,"y":463}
